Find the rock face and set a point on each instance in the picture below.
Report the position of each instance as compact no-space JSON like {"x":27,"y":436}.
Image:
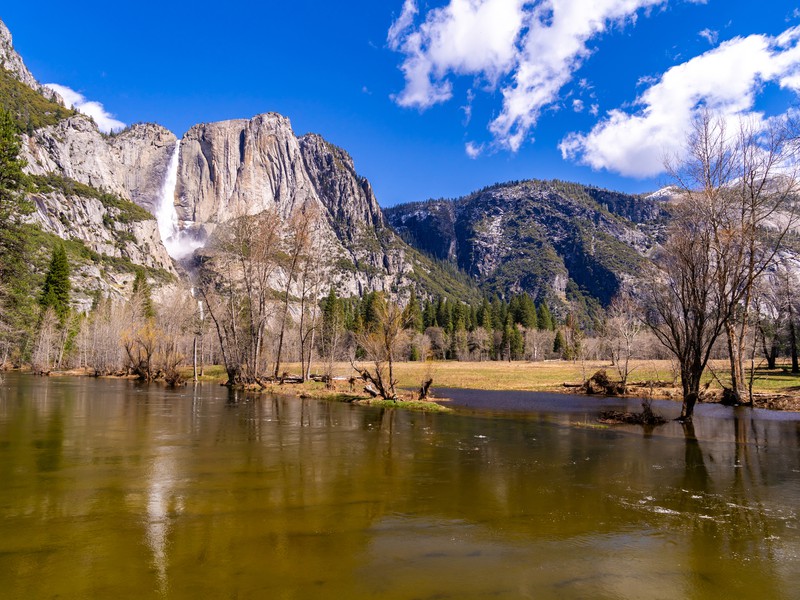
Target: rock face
{"x":11,"y":61}
{"x":131,"y":164}
{"x":243,"y":167}
{"x":537,"y":236}
{"x":233,"y":168}
{"x":102,"y":229}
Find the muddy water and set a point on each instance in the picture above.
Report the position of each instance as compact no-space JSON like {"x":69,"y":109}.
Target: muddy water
{"x":109,"y":489}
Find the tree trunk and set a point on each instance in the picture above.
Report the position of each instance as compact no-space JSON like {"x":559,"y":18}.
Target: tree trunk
{"x":690,"y":382}
{"x":793,"y":341}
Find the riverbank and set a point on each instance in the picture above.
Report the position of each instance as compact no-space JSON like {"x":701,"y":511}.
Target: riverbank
{"x":776,"y":389}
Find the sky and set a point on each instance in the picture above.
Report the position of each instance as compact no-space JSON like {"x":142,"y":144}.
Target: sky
{"x":432,"y":99}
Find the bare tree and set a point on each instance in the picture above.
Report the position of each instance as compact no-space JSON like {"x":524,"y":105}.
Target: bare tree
{"x":440,"y":341}
{"x":682,"y":304}
{"x":623,"y":327}
{"x":236,"y":288}
{"x":538,"y":343}
{"x":480,"y":342}
{"x":140,"y":337}
{"x":46,"y":343}
{"x":104,"y":331}
{"x":297,"y":245}
{"x":382,"y":343}
{"x":175,"y":318}
{"x":311,"y":279}
{"x":742,"y":185}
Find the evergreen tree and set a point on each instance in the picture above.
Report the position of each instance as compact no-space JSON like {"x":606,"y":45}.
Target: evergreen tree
{"x":443,"y":315}
{"x":527,"y":312}
{"x":17,"y":306}
{"x":515,"y":309}
{"x":486,"y":317}
{"x":516,"y":343}
{"x":558,"y":343}
{"x":142,"y":293}
{"x":414,"y":313}
{"x":545,"y":318}
{"x":372,"y":306}
{"x":333,"y":322}
{"x":11,"y":176}
{"x":473,"y":321}
{"x":498,"y":313}
{"x":429,"y":315}
{"x":56,"y":289}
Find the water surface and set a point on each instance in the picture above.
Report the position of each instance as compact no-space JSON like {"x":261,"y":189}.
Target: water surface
{"x":110,"y":489}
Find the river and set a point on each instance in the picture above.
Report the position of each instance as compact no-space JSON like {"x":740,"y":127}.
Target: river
{"x":116,"y":490}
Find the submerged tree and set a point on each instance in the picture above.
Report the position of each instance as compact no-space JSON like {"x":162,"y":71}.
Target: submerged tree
{"x":730,"y":221}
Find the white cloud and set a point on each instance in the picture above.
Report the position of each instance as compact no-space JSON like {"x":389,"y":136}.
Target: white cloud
{"x":467,"y":108}
{"x":709,"y":35}
{"x":726,"y":80}
{"x":577,"y":105}
{"x":105,"y":120}
{"x":402,"y":25}
{"x":476,"y":37}
{"x":473,"y":150}
{"x":646,"y":80}
{"x":535,"y":47}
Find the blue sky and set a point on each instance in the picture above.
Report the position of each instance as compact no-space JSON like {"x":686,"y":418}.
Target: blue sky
{"x":594,"y":91}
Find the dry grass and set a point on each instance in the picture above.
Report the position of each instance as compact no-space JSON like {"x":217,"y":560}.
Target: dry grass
{"x":539,"y":376}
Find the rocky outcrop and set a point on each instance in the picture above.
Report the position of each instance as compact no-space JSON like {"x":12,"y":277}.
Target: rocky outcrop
{"x":102,"y":229}
{"x":12,"y":62}
{"x":347,"y":197}
{"x":536,"y":236}
{"x":131,"y":164}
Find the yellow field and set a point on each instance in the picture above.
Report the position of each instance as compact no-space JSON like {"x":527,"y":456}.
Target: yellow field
{"x":542,"y":376}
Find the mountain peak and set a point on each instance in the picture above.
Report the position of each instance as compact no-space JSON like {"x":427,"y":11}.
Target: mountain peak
{"x":11,"y":61}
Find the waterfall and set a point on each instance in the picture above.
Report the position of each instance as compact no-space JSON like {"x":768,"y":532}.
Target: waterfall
{"x":179,"y":242}
{"x":166,"y":214}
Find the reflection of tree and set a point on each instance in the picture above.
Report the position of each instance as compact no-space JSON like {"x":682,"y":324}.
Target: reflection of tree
{"x":730,"y":543}
{"x":695,"y":474}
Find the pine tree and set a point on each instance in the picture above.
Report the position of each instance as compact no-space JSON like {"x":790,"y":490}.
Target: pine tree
{"x":545,"y":318}
{"x":517,"y":343}
{"x":414,"y":313}
{"x":56,"y":289}
{"x":527,"y":313}
{"x":17,"y":306}
{"x":141,"y":293}
{"x":429,"y":315}
{"x":498,"y":313}
{"x":558,"y":343}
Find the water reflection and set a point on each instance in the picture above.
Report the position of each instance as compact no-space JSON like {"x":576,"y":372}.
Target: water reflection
{"x":115,"y":489}
{"x":160,"y":499}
